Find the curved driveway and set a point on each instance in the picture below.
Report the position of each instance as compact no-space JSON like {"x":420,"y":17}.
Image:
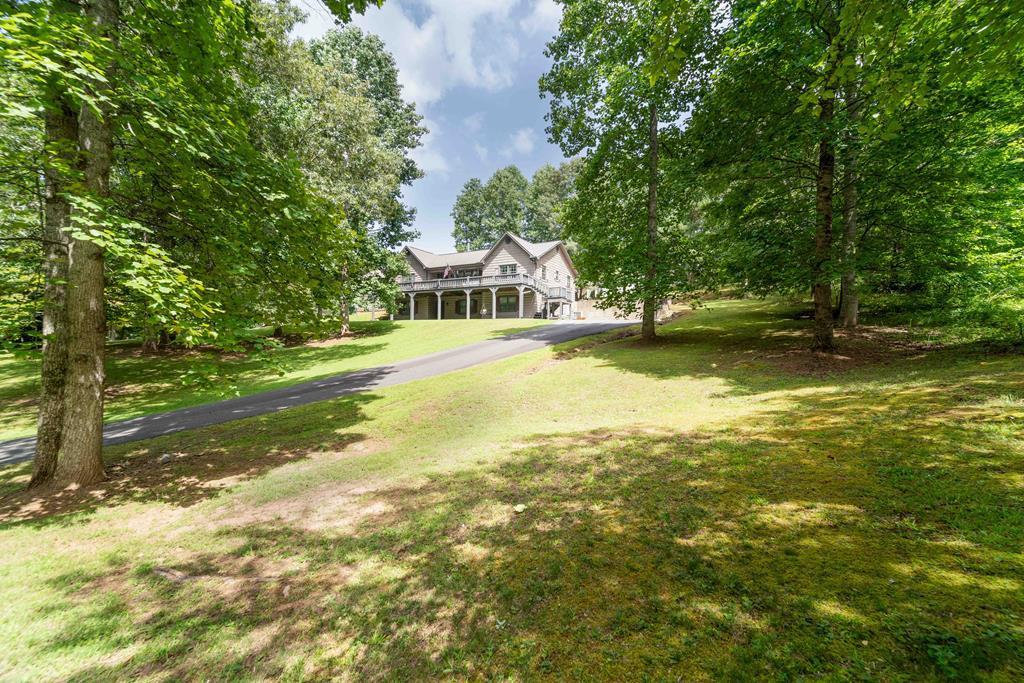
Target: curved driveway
{"x":158,"y":424}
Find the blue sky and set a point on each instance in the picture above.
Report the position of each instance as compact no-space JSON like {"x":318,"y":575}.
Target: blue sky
{"x":471,"y":67}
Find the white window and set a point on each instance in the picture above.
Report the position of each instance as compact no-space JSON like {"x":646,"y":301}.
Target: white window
{"x":508,"y":269}
{"x":544,"y":272}
{"x":557,"y":275}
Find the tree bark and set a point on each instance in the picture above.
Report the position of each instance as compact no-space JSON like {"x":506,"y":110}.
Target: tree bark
{"x":61,"y":132}
{"x":346,"y":318}
{"x":849,"y":310}
{"x":80,"y":459}
{"x":650,"y":303}
{"x":346,"y":322}
{"x":824,"y":183}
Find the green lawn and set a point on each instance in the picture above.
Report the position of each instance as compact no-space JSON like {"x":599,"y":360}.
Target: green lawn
{"x":147,"y":383}
{"x":722,"y":505}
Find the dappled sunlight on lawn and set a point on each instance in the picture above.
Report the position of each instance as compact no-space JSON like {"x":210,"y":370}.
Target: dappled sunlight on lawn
{"x":141,"y":383}
{"x":597,"y":512}
{"x":589,"y":555}
{"x":184,"y":469}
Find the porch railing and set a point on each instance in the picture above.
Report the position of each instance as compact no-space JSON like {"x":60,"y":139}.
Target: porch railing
{"x":408,"y":284}
{"x":558,"y":293}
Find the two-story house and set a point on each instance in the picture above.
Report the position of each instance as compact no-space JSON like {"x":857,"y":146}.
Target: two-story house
{"x":512,"y":279}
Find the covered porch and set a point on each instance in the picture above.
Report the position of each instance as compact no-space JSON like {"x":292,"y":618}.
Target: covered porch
{"x":471,"y":303}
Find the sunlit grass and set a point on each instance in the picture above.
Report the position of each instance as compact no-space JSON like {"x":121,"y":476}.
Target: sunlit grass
{"x":722,"y":505}
{"x":140,"y":383}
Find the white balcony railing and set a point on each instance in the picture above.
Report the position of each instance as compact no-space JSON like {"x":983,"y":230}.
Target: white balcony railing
{"x":408,"y":284}
{"x":558,"y":292}
{"x":411,"y":285}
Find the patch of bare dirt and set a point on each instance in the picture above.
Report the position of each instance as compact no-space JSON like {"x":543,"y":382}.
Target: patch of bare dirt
{"x":337,"y":507}
{"x":181,"y":478}
{"x":328,"y":342}
{"x":863,"y":347}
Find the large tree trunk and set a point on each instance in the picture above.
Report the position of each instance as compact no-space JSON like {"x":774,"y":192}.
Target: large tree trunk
{"x":61,"y":131}
{"x":822,"y":284}
{"x":346,"y":321}
{"x":849,"y":310}
{"x":80,"y":460}
{"x":346,"y":317}
{"x":650,"y":305}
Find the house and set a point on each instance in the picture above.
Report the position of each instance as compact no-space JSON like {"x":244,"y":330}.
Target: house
{"x":512,"y":279}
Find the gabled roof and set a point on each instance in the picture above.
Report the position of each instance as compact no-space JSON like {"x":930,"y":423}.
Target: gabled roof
{"x":457,"y":258}
{"x":535,"y":250}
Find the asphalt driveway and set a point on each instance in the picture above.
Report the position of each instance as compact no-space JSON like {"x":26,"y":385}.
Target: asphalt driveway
{"x":158,"y":424}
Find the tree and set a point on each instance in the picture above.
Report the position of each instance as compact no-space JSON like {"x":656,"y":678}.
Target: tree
{"x":171,"y":104}
{"x":468,"y":216}
{"x":505,"y":197}
{"x":484,"y":212}
{"x":80,"y":453}
{"x":603,"y":105}
{"x":859,"y":107}
{"x":549,"y":189}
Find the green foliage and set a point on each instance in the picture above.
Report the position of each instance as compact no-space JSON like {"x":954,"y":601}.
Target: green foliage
{"x":469,"y":215}
{"x":255,"y":179}
{"x":508,"y":202}
{"x":929,"y":108}
{"x":549,"y":189}
{"x":484,"y":212}
{"x":601,"y":101}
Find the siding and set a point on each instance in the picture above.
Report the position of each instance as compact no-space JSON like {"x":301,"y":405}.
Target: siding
{"x":508,"y":253}
{"x":556,"y":264}
{"x":418,"y":272}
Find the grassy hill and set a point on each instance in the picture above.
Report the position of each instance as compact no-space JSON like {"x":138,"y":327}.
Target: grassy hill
{"x":721,"y":505}
{"x":140,"y":383}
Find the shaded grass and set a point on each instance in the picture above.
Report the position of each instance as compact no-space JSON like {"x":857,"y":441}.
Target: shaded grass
{"x":140,"y":383}
{"x":719,"y":506}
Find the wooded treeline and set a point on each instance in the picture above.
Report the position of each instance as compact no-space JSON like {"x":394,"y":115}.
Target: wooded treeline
{"x":185,"y":171}
{"x":839,"y":149}
{"x":508,"y":202}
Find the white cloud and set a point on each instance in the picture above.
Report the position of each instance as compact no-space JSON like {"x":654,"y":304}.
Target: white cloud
{"x":427,"y":156}
{"x":474,"y":122}
{"x":438,"y":44}
{"x":481,"y":151}
{"x":520,"y":142}
{"x":543,"y":18}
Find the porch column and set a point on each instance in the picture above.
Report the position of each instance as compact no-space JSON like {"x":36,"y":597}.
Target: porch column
{"x":438,"y":305}
{"x":494,"y":303}
{"x":521,"y":297}
{"x":467,"y":291}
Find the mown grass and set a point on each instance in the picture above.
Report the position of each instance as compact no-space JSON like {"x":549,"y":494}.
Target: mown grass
{"x":141,"y":383}
{"x":722,"y":505}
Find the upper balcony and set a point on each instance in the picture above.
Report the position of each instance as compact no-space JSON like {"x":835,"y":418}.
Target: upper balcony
{"x":559,"y":293}
{"x":410,"y":285}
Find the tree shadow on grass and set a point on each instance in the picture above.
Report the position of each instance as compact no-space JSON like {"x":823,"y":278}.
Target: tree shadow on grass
{"x":139,"y":384}
{"x":215,"y":377}
{"x":829,"y":540}
{"x":184,"y":468}
{"x":765,"y":349}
